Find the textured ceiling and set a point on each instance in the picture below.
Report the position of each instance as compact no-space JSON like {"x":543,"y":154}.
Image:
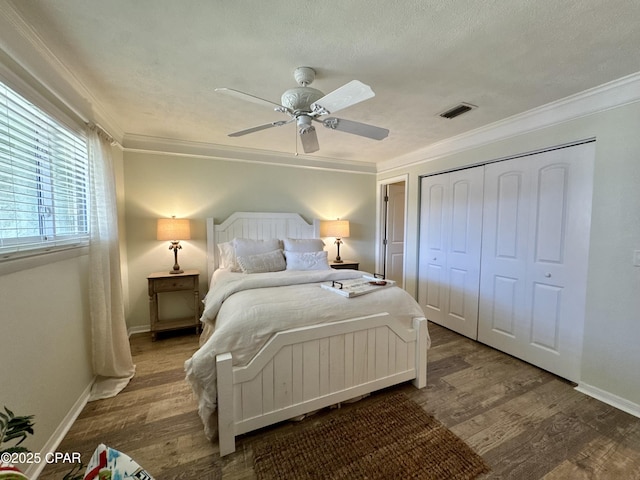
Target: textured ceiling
{"x":153,"y":64}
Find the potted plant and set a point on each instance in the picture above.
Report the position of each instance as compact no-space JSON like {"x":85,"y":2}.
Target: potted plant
{"x":14,"y":430}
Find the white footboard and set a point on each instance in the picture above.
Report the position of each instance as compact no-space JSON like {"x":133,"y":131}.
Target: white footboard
{"x":304,"y":369}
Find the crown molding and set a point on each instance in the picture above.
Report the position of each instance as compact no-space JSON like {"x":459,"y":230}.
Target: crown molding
{"x":610,"y":95}
{"x":185,"y":148}
{"x":27,"y":49}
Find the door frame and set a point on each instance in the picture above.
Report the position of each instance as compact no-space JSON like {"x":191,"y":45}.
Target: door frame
{"x":380,"y":223}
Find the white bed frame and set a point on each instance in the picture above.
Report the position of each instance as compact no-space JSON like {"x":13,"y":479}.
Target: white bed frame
{"x":304,"y":369}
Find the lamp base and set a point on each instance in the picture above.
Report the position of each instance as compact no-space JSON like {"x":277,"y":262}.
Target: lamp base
{"x":175,"y":246}
{"x":338,"y":259}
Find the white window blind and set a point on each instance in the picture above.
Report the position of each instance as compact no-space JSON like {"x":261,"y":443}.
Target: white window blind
{"x":43,"y":180}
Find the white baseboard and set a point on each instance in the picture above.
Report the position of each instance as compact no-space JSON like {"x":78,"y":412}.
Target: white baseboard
{"x":610,"y":399}
{"x":52,"y":444}
{"x":138,"y":329}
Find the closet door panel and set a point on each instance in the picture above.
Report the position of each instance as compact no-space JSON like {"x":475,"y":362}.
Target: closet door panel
{"x":451,"y":223}
{"x":502,"y":306}
{"x":504,"y":256}
{"x":537,"y":235}
{"x":432,"y":259}
{"x":433,"y":290}
{"x":550,"y":228}
{"x":557,"y":277}
{"x":545,"y":318}
{"x":463,"y":249}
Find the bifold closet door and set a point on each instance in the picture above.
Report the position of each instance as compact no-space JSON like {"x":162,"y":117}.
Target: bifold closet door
{"x":449,"y":258}
{"x":535,"y":247}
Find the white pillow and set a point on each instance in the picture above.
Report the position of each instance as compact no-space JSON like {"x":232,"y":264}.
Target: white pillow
{"x":246,"y":246}
{"x":227,"y":256}
{"x":307,"y":260}
{"x":303,"y":244}
{"x":263,"y":262}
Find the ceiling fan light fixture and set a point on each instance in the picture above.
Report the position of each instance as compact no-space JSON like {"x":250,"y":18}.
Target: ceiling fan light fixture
{"x":304,"y":124}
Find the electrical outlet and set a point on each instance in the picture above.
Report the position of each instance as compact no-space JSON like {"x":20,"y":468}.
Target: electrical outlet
{"x":636,"y":258}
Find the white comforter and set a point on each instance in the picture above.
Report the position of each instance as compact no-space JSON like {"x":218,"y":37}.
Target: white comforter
{"x":242,"y":311}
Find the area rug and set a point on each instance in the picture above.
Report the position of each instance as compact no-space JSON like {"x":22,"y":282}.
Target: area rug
{"x":390,"y":437}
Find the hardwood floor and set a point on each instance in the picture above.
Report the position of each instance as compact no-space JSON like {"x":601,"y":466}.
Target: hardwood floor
{"x":526,"y":423}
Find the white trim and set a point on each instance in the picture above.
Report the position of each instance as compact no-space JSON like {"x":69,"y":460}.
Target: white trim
{"x":138,"y":329}
{"x":380,"y":220}
{"x":609,"y":398}
{"x":183,"y":148}
{"x":54,"y":440}
{"x":42,"y":258}
{"x":610,"y":95}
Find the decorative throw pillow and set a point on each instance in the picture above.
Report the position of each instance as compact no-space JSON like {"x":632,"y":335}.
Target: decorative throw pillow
{"x":247,"y":246}
{"x":307,"y":260}
{"x":227,"y":256}
{"x":303,"y":244}
{"x":107,"y":462}
{"x":263,"y":262}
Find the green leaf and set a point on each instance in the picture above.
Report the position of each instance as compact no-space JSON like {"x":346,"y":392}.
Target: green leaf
{"x":16,"y":450}
{"x":13,"y":427}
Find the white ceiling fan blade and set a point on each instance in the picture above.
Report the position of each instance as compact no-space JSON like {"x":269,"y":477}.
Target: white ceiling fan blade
{"x":309,"y":139}
{"x":343,"y":97}
{"x":251,"y":98}
{"x":258,"y":128}
{"x":356,"y":128}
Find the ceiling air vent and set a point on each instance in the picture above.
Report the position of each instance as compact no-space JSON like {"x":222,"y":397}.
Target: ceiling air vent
{"x":457,"y":110}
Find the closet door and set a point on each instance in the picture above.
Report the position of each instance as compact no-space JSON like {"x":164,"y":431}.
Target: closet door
{"x":535,"y":247}
{"x":450,"y":234}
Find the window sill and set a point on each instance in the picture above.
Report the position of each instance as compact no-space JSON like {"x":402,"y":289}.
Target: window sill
{"x":44,"y":258}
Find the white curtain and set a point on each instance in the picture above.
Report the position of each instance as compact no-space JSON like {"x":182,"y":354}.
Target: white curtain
{"x":112,"y":362}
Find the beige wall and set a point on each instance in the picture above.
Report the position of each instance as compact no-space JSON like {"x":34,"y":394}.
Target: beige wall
{"x":612,"y":325}
{"x":45,"y":363}
{"x":197,"y":188}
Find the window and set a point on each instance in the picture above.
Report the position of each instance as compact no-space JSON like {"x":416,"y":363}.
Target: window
{"x":43,"y":180}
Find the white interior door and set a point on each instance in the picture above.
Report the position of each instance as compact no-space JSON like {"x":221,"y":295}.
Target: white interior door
{"x":535,"y":246}
{"x":449,"y":260}
{"x":394,"y":251}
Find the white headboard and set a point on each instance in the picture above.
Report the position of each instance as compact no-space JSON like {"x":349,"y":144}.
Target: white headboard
{"x":257,"y":226}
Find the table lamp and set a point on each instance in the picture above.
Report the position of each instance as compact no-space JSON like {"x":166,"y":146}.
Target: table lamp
{"x":174,"y":229}
{"x":335,"y":228}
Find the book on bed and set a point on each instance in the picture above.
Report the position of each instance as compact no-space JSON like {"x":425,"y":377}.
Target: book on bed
{"x":357,"y":286}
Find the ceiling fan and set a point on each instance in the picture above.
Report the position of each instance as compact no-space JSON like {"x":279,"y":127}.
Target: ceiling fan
{"x":306,"y":105}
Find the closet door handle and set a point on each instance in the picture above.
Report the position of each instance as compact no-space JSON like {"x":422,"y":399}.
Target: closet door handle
{"x":548,"y":275}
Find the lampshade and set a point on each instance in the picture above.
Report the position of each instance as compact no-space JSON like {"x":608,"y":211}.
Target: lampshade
{"x":174,"y":229}
{"x":334,"y":228}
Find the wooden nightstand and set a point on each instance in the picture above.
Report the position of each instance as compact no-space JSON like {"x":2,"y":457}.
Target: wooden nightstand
{"x":161,"y":282}
{"x":347,"y":264}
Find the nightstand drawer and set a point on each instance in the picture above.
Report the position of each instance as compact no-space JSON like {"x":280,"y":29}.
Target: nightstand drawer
{"x":347,"y":264}
{"x":172,"y":284}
